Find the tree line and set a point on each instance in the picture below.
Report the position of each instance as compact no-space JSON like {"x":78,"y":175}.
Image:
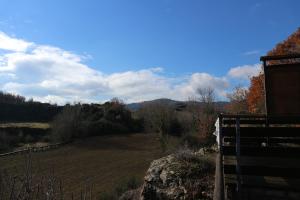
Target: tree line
{"x":15,"y":108}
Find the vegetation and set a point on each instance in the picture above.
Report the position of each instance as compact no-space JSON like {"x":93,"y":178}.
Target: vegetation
{"x":14,"y":135}
{"x":193,"y":165}
{"x":238,"y":101}
{"x":82,"y":120}
{"x":15,"y":108}
{"x":192,"y":121}
{"x":256,"y":94}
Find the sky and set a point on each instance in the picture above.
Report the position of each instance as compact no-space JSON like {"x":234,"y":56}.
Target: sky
{"x":61,"y":51}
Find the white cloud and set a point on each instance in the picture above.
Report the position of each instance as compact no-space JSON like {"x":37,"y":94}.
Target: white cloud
{"x":245,"y":71}
{"x":51,"y":74}
{"x":251,"y":53}
{"x":13,"y":44}
{"x":203,"y":80}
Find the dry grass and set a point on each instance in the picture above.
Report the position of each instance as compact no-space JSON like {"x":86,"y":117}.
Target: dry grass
{"x":25,"y":125}
{"x":104,"y":161}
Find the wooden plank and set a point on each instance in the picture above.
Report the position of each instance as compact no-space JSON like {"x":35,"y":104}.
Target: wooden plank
{"x":260,"y":119}
{"x":282,"y":183}
{"x":244,"y":121}
{"x":220,"y":156}
{"x":282,"y":84}
{"x":263,"y":131}
{"x":264,"y":161}
{"x":243,"y":116}
{"x":268,"y":151}
{"x":279,"y":57}
{"x":259,"y":140}
{"x":263,"y":171}
{"x":284,"y":120}
{"x":238,"y":153}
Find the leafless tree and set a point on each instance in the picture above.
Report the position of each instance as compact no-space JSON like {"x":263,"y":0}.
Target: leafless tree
{"x":208,"y":112}
{"x":158,"y":117}
{"x":238,"y":100}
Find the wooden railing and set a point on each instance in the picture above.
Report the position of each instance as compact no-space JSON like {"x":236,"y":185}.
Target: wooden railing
{"x":258,"y":152}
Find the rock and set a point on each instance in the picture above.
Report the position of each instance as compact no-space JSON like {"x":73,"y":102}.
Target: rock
{"x":179,"y":178}
{"x":201,"y":152}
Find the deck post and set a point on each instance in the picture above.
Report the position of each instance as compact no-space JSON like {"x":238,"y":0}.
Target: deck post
{"x":238,"y":154}
{"x":221,"y":172}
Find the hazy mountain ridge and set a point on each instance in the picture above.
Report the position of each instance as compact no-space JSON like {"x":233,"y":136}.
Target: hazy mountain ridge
{"x":137,"y":105}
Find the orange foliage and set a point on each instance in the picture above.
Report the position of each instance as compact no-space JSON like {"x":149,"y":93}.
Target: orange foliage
{"x":289,"y":46}
{"x":256,"y":95}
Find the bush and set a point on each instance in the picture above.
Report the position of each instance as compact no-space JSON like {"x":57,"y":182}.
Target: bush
{"x":192,"y":164}
{"x":195,"y":142}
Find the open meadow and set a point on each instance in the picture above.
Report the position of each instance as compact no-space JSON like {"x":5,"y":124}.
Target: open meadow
{"x":104,"y":161}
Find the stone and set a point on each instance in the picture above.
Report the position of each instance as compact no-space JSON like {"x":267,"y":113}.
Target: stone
{"x":167,"y":178}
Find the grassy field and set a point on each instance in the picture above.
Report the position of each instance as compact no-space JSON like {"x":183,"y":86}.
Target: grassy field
{"x":26,"y":125}
{"x":105,"y":161}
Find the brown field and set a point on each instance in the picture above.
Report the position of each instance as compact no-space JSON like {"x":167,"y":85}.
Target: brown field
{"x":103,"y":160}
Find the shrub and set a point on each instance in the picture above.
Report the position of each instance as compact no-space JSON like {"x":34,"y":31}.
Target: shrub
{"x":193,"y":165}
{"x":193,"y":141}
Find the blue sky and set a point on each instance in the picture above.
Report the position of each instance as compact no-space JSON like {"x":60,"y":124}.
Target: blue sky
{"x":182,"y":45}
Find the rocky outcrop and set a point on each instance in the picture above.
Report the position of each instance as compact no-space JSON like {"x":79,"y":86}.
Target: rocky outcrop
{"x":184,"y":175}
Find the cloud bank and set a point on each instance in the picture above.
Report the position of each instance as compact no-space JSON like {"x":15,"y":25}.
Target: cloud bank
{"x":51,"y":74}
{"x":245,"y":71}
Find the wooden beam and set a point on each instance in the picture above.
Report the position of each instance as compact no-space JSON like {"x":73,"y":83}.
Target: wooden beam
{"x":279,"y":57}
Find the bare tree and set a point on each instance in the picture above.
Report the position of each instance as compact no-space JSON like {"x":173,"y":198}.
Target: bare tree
{"x":159,"y":117}
{"x":238,"y":100}
{"x":66,"y":124}
{"x":208,"y":114}
{"x":194,"y":109}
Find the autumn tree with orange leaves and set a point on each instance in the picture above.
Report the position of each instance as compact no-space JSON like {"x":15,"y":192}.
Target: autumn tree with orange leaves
{"x":256,"y":94}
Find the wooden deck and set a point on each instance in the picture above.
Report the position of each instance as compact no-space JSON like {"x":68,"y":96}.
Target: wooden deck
{"x":259,"y":162}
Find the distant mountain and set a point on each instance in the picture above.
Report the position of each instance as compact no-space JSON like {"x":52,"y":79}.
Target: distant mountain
{"x":138,"y":105}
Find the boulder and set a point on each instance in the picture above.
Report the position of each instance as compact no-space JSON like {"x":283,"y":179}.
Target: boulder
{"x":183,"y":175}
